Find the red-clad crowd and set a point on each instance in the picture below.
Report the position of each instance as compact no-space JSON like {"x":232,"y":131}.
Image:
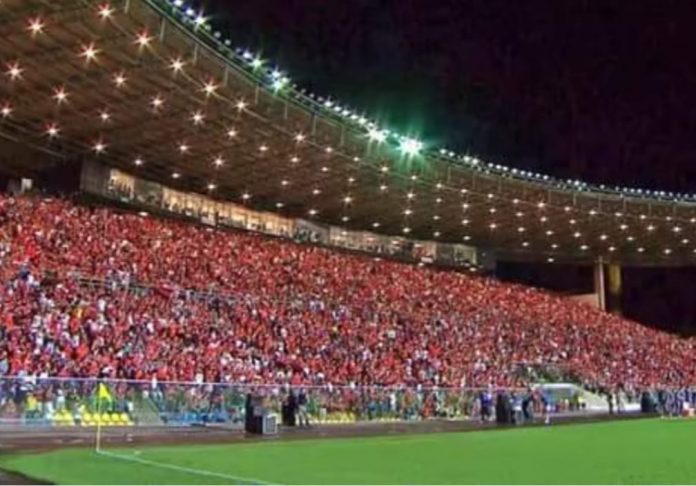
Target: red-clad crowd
{"x":179,"y":301}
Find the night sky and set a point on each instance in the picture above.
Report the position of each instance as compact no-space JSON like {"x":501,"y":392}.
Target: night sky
{"x":603,"y":91}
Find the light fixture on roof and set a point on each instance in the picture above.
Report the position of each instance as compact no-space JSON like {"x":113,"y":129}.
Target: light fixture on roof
{"x":525,"y":244}
{"x":210,"y":88}
{"x":347,"y":200}
{"x":492,"y":210}
{"x":384,"y":169}
{"x":438,"y":200}
{"x":642,"y":216}
{"x":593,"y":212}
{"x":104,"y":116}
{"x":410,"y":195}
{"x":465,"y":222}
{"x":554,"y":246}
{"x":89,"y":52}
{"x":60,"y":94}
{"x":630,"y":239}
{"x":36,"y":26}
{"x":685,"y":241}
{"x":541,"y":204}
{"x":584,"y":247}
{"x":285,"y":183}
{"x":436,"y":217}
{"x":246,"y":196}
{"x":408,"y":212}
{"x":316,"y":191}
{"x":493,"y":226}
{"x":351,"y":180}
{"x":105,"y":11}
{"x":612,"y":249}
{"x":519,"y":214}
{"x":466,"y":238}
{"x":231,"y":133}
{"x":650,"y":227}
{"x":407,"y":230}
{"x":436,"y":234}
{"x":119,"y":80}
{"x":176,"y":175}
{"x":241,"y":105}
{"x":219,"y":161}
{"x":623,"y":227}
{"x":375,"y":225}
{"x":567,"y":209}
{"x":677,"y":229}
{"x":577,"y":234}
{"x":177,"y":65}
{"x":515,"y":201}
{"x":256,"y":63}
{"x":279,"y":205}
{"x":183,"y":148}
{"x":640,"y":249}
{"x":383,"y":187}
{"x":157,"y":102}
{"x":143,"y":39}
{"x":667,"y":251}
{"x":345,"y":219}
{"x":550,"y":260}
{"x":52,"y":130}
{"x":199,"y":20}
{"x":14,"y":70}
{"x":263,"y":148}
{"x":138,"y":162}
{"x":618,"y":214}
{"x":313,"y":212}
{"x":99,"y":147}
{"x":410,"y":147}
{"x":490,"y":195}
{"x":549,"y":232}
{"x":300,"y":137}
{"x":212,"y":187}
{"x":376,"y":135}
{"x":328,"y":150}
{"x":572,"y":221}
{"x":521,"y":229}
{"x":603,"y":237}
{"x":6,"y":110}
{"x":543,"y":219}
{"x":197,"y":118}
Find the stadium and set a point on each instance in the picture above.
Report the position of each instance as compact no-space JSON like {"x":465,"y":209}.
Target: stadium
{"x":212,"y":275}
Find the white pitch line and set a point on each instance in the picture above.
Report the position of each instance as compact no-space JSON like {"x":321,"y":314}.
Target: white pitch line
{"x":202,"y":472}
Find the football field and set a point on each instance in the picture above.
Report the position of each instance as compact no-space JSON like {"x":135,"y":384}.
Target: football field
{"x":651,"y":451}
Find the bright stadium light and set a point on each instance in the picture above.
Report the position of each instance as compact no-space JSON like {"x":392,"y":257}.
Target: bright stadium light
{"x":377,"y":135}
{"x":36,"y":26}
{"x":14,"y":70}
{"x":105,"y":11}
{"x":410,"y":147}
{"x":6,"y":110}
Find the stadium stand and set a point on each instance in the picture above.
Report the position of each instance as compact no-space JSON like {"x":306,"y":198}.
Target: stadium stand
{"x":94,"y":292}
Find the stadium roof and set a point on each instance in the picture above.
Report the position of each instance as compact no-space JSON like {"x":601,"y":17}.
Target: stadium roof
{"x":148,"y":86}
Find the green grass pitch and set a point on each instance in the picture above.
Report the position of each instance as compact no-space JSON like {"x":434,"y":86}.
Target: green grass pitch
{"x":644,"y":451}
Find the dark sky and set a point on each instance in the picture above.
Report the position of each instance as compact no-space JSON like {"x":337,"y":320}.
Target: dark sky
{"x":600,"y":90}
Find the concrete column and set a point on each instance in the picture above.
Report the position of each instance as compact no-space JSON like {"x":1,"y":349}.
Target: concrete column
{"x":599,"y":287}
{"x":615,"y":288}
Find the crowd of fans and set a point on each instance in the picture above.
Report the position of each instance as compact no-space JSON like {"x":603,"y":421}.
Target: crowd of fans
{"x":94,"y":292}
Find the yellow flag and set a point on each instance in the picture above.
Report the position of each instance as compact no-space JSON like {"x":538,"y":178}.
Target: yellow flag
{"x":103,"y":392}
